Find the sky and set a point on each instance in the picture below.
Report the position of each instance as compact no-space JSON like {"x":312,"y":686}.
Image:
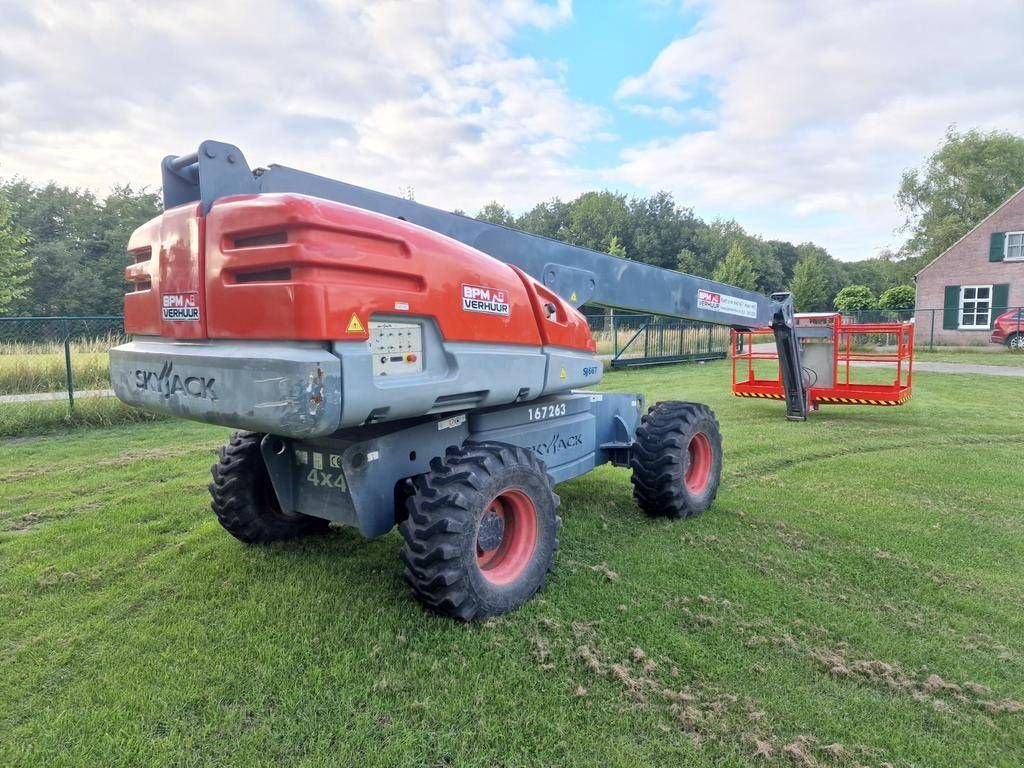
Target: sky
{"x":795,"y":118}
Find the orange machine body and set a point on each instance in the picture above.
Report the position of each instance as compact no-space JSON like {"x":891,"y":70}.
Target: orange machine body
{"x":299,"y":268}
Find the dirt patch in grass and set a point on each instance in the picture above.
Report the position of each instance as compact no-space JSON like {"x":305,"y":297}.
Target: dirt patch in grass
{"x":923,"y":686}
{"x":706,"y":714}
{"x":604,"y":570}
{"x":813,"y":641}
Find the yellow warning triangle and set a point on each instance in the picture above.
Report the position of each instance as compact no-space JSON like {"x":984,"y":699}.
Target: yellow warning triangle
{"x":573,"y":297}
{"x":562,"y":374}
{"x":354,"y":326}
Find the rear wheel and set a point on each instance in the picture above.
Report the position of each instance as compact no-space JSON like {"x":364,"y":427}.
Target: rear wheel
{"x":677,"y":460}
{"x":481,"y":531}
{"x":244,"y":500}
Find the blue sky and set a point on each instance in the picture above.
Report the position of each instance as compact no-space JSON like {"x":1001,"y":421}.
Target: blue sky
{"x":602,"y":45}
{"x":794,"y":117}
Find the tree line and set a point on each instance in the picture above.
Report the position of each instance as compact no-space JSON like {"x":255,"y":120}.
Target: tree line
{"x":62,"y":250}
{"x":656,"y":230}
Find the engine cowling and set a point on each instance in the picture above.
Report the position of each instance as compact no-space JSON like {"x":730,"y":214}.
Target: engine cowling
{"x":421,"y":323}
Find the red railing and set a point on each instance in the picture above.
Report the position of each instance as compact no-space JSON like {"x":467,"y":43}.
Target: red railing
{"x":844,"y":363}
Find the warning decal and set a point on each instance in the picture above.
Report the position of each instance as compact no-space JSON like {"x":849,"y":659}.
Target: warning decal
{"x":490,"y":301}
{"x":354,"y":326}
{"x":730,"y":305}
{"x":180,"y":306}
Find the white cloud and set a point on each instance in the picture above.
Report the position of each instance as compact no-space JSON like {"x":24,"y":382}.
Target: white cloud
{"x":671,"y":115}
{"x":390,"y":94}
{"x":820,"y":106}
{"x":796,"y":118}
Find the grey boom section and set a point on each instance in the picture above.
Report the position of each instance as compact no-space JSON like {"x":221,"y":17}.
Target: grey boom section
{"x":219,"y":169}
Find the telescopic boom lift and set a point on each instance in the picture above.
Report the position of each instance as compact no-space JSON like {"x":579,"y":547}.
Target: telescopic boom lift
{"x":394,"y":363}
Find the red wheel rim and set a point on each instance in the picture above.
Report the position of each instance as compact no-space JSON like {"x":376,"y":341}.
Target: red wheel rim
{"x":698,"y":473}
{"x":506,"y":562}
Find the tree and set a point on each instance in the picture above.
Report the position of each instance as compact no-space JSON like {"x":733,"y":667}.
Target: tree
{"x":76,"y":245}
{"x":833,"y":270}
{"x":854,"y":298}
{"x":686,"y":261}
{"x":550,"y":219}
{"x":712,"y":243}
{"x":616,"y":248}
{"x":659,"y":228}
{"x":810,"y":286}
{"x":15,"y":264}
{"x":961,"y":183}
{"x":595,"y":218}
{"x":898,"y":297}
{"x":737,"y":269}
{"x":495,"y":213}
{"x":787,"y":257}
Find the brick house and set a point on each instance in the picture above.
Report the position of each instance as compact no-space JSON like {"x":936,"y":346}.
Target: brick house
{"x":974,"y":281}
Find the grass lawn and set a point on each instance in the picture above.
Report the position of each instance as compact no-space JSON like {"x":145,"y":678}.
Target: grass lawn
{"x":854,"y":597}
{"x":19,"y":419}
{"x":969,"y":355}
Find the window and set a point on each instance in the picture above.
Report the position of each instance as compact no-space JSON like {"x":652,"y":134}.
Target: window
{"x":975,"y":306}
{"x":1014,"y":246}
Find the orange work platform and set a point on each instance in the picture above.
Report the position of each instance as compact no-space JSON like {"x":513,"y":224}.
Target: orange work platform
{"x":842,"y":363}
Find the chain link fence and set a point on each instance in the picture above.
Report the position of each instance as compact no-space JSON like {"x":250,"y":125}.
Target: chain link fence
{"x":53,"y":358}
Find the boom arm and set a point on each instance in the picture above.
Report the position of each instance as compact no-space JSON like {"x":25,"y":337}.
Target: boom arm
{"x":579,"y":275}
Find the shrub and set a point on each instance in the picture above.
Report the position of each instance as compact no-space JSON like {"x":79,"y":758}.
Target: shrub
{"x":898,"y":297}
{"x":855,"y":298}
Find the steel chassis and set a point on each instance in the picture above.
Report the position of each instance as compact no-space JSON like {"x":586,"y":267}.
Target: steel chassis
{"x":352,"y":477}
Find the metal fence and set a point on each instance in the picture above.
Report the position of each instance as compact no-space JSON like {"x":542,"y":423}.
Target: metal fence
{"x":944,"y":327}
{"x":637,"y":339}
{"x":52,"y":358}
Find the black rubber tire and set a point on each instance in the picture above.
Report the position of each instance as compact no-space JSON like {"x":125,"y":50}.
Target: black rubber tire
{"x":441,"y":530}
{"x":1015,"y":341}
{"x":244,"y":500}
{"x":661,"y":459}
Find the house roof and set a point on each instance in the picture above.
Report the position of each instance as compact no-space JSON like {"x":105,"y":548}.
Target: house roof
{"x":1000,"y":207}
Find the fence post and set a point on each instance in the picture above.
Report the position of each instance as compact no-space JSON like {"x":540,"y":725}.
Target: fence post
{"x":931,"y":336}
{"x":67,"y":365}
{"x":615,"y":337}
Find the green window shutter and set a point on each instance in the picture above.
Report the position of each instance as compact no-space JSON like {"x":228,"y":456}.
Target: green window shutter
{"x":1000,"y":298}
{"x":951,"y":308}
{"x":996,"y":247}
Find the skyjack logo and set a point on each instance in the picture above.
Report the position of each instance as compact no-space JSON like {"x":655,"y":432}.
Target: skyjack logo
{"x":488,"y":300}
{"x":180,"y":306}
{"x":557,"y":444}
{"x":168,"y":383}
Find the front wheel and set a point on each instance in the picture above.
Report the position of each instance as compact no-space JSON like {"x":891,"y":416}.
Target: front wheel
{"x":1016,"y":342}
{"x":677,"y":460}
{"x":481,"y":531}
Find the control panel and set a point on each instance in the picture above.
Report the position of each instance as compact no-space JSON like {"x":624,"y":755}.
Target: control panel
{"x":397,"y":348}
